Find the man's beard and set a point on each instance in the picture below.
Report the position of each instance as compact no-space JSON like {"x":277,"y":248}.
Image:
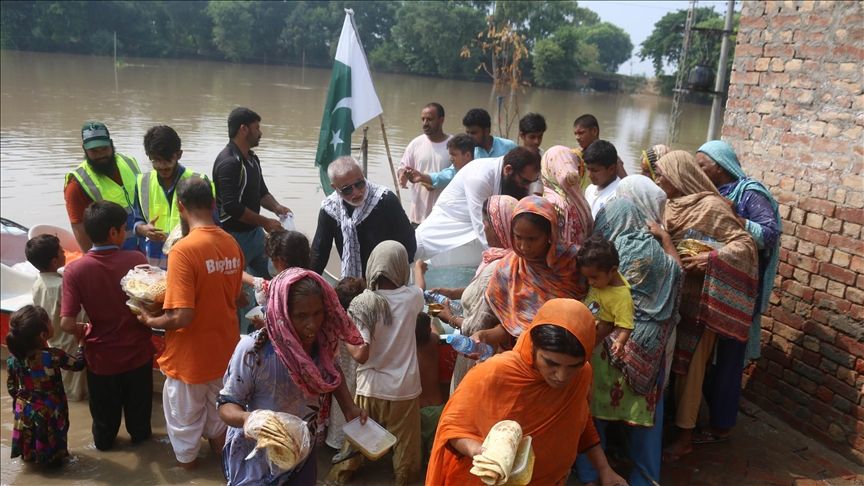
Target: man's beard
{"x":105,"y":166}
{"x":509,"y":187}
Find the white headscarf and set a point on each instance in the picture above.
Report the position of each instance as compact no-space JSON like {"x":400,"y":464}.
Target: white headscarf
{"x":334,"y":206}
{"x":645,"y":194}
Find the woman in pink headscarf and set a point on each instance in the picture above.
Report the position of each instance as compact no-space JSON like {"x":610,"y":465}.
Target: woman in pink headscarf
{"x":561,"y":186}
{"x":289,"y":366}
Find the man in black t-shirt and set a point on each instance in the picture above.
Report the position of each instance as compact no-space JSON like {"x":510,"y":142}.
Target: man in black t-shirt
{"x":241,"y":191}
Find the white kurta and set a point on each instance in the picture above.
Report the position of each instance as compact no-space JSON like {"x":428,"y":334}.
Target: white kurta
{"x":424,"y":156}
{"x":457,"y":218}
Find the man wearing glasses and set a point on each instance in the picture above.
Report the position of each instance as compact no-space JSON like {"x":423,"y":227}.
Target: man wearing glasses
{"x":457,"y":218}
{"x":357,"y":216}
{"x":156,"y":209}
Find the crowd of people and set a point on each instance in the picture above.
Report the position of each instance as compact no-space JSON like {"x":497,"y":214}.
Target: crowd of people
{"x":606,"y":297}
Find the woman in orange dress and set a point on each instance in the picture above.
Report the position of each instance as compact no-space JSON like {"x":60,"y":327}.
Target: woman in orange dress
{"x":543,"y":385}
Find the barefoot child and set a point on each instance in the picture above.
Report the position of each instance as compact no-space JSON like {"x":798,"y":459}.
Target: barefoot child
{"x":609,"y":297}
{"x":36,"y":386}
{"x":45,"y":253}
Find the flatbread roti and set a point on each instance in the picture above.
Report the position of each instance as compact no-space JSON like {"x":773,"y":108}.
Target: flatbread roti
{"x":494,"y":465}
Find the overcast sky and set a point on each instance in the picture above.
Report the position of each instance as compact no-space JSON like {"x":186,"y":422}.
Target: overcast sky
{"x":637,"y":18}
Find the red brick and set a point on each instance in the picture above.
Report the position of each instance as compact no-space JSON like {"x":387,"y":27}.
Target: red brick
{"x":854,"y":215}
{"x":853,"y":347}
{"x":816,"y":236}
{"x":838,"y":274}
{"x":820,"y":331}
{"x":805,"y":263}
{"x":841,"y":388}
{"x":823,"y":299}
{"x":819,"y":206}
{"x":849,"y":245}
{"x":856,"y":312}
{"x":788,"y":319}
{"x":824,"y":394}
{"x":798,"y":290}
{"x":811,"y":358}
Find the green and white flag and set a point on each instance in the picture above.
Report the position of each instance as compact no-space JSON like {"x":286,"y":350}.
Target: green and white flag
{"x":351,"y":100}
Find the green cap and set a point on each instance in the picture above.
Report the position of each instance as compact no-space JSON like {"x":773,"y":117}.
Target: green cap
{"x":94,"y":134}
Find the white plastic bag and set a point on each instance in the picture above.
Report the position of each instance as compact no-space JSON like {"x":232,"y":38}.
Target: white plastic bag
{"x":285,"y":438}
{"x":145,"y":283}
{"x":287,"y":221}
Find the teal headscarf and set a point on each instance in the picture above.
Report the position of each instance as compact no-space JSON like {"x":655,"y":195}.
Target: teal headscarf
{"x":655,"y":281}
{"x":724,"y":155}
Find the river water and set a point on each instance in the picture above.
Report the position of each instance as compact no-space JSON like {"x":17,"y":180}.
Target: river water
{"x":44,"y":99}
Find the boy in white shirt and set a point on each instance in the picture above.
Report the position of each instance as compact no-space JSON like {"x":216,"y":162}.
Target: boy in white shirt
{"x":601,"y":162}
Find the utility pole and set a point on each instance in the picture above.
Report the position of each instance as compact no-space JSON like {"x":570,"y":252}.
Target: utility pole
{"x":715,"y":124}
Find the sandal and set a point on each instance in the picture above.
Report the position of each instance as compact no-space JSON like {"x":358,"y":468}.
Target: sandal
{"x":708,"y":437}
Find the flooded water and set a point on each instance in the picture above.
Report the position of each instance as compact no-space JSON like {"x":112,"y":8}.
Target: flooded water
{"x":44,"y":99}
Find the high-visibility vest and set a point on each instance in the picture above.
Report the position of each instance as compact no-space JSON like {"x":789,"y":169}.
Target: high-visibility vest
{"x":151,"y":199}
{"x":99,"y":187}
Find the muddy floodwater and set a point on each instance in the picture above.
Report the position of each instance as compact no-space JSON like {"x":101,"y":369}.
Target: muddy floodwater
{"x":44,"y":99}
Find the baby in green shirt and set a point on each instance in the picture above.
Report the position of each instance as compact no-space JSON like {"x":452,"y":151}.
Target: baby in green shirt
{"x":609,"y":298}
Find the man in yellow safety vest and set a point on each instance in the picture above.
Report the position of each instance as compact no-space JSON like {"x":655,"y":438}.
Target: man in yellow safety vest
{"x":105,"y":174}
{"x":156,"y":210}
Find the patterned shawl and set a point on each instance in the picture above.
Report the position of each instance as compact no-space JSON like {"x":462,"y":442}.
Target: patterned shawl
{"x":389,"y":260}
{"x":724,"y":156}
{"x":334,"y":206}
{"x":562,"y":185}
{"x":519,"y":287}
{"x":649,"y":199}
{"x":500,"y":212}
{"x":729,"y":290}
{"x":655,"y":282}
{"x":313,"y":379}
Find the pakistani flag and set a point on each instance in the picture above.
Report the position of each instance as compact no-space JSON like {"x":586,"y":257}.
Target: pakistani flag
{"x":351,"y":100}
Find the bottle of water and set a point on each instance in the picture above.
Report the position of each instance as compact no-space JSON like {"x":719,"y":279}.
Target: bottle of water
{"x":465,"y":345}
{"x":435,"y":297}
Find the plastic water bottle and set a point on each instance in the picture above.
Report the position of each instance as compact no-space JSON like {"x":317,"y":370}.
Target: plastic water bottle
{"x":465,"y":345}
{"x":435,"y":297}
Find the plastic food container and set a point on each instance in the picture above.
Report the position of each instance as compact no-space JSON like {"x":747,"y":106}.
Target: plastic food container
{"x":370,"y":439}
{"x":523,"y":464}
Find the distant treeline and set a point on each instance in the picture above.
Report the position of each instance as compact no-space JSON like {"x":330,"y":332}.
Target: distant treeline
{"x":412,"y":37}
{"x":427,"y":38}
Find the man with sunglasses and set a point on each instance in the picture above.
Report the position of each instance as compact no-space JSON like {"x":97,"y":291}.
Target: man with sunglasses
{"x":357,"y":216}
{"x":457,"y":219}
{"x":241,"y":191}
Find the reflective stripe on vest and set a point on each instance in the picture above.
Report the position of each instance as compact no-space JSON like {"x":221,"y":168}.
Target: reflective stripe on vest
{"x":102,"y":188}
{"x":153,"y":203}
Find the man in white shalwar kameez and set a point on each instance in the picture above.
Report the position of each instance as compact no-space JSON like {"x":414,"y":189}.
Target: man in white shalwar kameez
{"x":456,"y":221}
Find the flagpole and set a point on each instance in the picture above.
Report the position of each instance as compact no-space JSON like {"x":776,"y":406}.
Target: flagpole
{"x":350,"y":13}
{"x":390,"y":158}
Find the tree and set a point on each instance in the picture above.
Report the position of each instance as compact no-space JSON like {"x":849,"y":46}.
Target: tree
{"x":428,"y":37}
{"x":558,"y":59}
{"x":612,"y":43}
{"x":539,"y":22}
{"x":663,"y":46}
{"x":233,"y":26}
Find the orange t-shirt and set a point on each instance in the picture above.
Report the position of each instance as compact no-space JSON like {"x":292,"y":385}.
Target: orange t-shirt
{"x":204,"y":273}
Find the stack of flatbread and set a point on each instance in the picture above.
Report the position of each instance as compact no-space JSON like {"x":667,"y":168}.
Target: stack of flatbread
{"x":284,"y":437}
{"x":494,"y":465}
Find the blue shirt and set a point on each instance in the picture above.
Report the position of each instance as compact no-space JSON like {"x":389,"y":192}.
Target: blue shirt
{"x":442,"y":178}
{"x":500,"y":147}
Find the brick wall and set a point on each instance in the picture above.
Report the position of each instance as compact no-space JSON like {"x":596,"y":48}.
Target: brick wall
{"x":795,"y":115}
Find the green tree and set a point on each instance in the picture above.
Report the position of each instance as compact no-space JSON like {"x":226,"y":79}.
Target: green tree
{"x":233,"y":28}
{"x":539,"y":22}
{"x":558,"y":59}
{"x":663,"y":46}
{"x":427,"y":38}
{"x":612,"y":43}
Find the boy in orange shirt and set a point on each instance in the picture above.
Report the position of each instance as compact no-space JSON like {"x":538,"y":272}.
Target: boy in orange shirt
{"x":204,"y":282}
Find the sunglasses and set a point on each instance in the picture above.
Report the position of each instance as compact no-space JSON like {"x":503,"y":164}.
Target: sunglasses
{"x":349,"y":189}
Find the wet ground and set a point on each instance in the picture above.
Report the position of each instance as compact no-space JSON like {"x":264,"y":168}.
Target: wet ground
{"x":761,"y":451}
